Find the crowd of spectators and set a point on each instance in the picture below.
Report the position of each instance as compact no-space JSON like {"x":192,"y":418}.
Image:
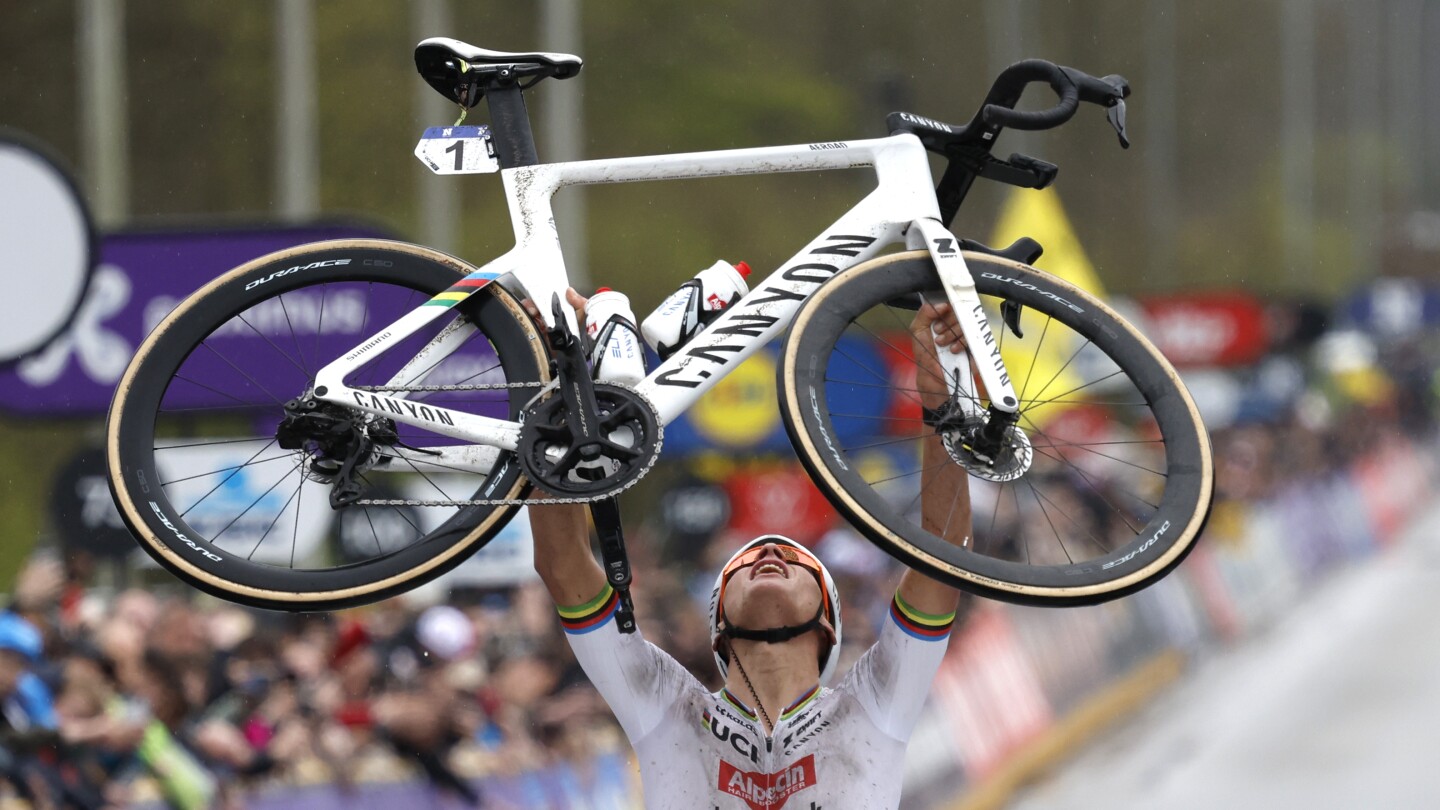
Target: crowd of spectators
{"x":112,"y":697}
{"x":107,"y":695}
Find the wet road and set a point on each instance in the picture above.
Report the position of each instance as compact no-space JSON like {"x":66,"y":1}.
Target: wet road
{"x":1335,"y":706}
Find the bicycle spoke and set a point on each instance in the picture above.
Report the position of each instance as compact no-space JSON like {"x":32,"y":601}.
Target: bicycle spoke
{"x":295,"y":536}
{"x":401,"y":512}
{"x":1077,"y":523}
{"x":1062,"y":368}
{"x":884,"y":443}
{"x":427,"y":478}
{"x":226,"y":479}
{"x":320,"y":325}
{"x":267,"y":339}
{"x":257,"y":500}
{"x":198,"y":384}
{"x":1044,"y":330}
{"x":1038,"y":402}
{"x":373,"y":533}
{"x":250,"y":463}
{"x":209,"y":444}
{"x":243,"y":373}
{"x":212,"y":408}
{"x":278,"y":515}
{"x":1046,"y":513}
{"x":907,"y":475}
{"x":294,"y":336}
{"x":1038,"y":430}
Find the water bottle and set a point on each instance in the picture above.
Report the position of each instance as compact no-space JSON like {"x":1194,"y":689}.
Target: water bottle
{"x":693,"y":306}
{"x":616,"y":355}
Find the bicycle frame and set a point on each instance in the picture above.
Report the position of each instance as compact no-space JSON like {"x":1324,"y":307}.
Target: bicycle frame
{"x":904,"y":196}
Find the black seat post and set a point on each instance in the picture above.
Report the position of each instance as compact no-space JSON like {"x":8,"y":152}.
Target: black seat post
{"x":510,"y":127}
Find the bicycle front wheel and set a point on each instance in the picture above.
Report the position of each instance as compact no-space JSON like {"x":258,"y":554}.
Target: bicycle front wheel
{"x":1119,"y":478}
{"x":228,"y":490}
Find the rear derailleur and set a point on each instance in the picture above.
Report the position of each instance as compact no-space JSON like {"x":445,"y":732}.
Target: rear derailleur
{"x":337,"y":444}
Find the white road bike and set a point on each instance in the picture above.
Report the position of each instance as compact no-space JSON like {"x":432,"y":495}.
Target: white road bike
{"x":401,"y":405}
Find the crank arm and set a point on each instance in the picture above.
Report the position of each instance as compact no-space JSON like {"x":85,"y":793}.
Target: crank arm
{"x":582,"y":411}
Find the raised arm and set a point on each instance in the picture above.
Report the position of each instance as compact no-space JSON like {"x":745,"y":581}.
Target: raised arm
{"x":945,"y":488}
{"x":563,"y":558}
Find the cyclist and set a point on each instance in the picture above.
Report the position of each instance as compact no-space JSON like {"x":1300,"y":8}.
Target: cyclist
{"x":774,"y":734}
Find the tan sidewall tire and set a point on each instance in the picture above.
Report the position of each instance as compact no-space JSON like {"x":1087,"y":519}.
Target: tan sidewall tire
{"x":132,"y":508}
{"x":815,"y":459}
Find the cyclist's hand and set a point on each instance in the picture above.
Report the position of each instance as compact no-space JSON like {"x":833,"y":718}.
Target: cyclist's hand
{"x":574,"y":299}
{"x":926,"y":344}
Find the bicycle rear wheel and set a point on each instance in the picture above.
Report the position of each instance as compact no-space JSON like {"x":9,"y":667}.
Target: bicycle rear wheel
{"x":1121,"y":477}
{"x":194,"y":442}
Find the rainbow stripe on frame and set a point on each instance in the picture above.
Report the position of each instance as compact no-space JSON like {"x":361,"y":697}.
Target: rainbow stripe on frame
{"x":462,"y":289}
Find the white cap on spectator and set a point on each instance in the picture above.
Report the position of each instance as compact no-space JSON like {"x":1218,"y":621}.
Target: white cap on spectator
{"x":445,"y":631}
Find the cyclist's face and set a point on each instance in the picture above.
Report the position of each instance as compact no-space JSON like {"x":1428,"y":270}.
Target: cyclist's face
{"x":773,"y":585}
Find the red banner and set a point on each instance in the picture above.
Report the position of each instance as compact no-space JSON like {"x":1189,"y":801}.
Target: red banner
{"x":1208,"y":329}
{"x":779,"y":500}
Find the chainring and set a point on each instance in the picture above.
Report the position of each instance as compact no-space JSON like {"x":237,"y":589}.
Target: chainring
{"x":551,"y":460}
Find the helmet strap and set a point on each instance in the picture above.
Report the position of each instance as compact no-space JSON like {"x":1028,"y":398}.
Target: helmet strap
{"x":774,"y":635}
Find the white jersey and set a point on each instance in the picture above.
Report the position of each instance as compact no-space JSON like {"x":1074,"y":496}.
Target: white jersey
{"x":832,"y":749}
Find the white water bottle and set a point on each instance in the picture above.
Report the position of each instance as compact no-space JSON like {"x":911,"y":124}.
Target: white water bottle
{"x":616,"y":355}
{"x":697,"y":303}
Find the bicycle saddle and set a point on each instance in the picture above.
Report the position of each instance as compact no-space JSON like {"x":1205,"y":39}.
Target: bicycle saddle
{"x":444,"y":63}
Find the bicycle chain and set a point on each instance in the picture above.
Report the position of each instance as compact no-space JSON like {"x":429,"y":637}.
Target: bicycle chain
{"x":451,"y":387}
{"x":659,"y":444}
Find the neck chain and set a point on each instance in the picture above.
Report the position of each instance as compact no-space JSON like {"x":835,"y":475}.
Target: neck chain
{"x":755,"y":696}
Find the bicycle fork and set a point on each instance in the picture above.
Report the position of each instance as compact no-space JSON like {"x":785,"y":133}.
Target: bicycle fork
{"x":958,"y":286}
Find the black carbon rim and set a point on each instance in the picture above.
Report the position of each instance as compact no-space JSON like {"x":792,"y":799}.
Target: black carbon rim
{"x":1097,"y":516}
{"x":364,"y":553}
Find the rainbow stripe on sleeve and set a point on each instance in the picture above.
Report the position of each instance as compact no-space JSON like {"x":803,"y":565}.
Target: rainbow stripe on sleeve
{"x":923,"y":626}
{"x":590,"y":616}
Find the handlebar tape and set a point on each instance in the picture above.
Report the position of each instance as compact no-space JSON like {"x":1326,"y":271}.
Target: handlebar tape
{"x":1071,"y":85}
{"x":1011,"y":83}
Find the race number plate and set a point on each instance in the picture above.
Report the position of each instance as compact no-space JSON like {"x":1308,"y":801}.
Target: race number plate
{"x":457,"y":150}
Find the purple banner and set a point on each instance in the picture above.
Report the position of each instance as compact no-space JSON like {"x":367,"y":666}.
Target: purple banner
{"x":139,"y":278}
{"x":602,"y":784}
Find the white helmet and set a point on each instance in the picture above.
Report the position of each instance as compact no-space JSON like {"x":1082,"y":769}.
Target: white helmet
{"x":831,"y":657}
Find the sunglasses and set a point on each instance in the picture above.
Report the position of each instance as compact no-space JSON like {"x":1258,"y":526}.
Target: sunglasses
{"x":788,"y":554}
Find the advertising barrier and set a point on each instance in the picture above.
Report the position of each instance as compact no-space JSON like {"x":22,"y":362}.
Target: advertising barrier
{"x":139,"y":277}
{"x":1059,"y":665}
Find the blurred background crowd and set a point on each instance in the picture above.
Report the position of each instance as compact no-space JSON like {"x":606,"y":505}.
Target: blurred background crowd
{"x":117,"y":696}
{"x":113,"y":697}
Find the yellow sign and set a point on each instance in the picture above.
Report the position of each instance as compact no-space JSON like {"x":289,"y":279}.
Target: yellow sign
{"x":742,"y":408}
{"x":1041,"y":365}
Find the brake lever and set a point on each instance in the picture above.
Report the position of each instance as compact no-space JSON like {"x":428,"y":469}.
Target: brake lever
{"x":1115,"y":114}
